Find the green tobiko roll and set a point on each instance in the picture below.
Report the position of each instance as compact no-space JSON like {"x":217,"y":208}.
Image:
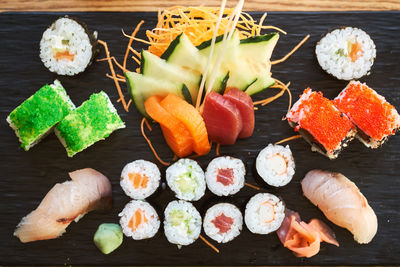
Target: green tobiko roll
{"x":38,"y":114}
{"x":93,"y":121}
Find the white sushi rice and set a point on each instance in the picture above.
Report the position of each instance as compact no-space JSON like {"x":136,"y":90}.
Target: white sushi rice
{"x":141,"y":167}
{"x":144,"y":230}
{"x":182,"y":223}
{"x":66,"y":34}
{"x":228,"y":210}
{"x":239,"y":172}
{"x":275,"y":165}
{"x":264,"y":218}
{"x":333,"y":53}
{"x":186,"y":178}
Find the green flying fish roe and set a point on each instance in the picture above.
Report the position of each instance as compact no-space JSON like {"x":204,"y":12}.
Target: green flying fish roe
{"x":93,"y":121}
{"x":39,"y":113}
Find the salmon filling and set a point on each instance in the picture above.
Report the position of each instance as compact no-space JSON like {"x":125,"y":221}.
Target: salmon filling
{"x":64,"y":55}
{"x":137,"y":219}
{"x":138,"y":180}
{"x":354,"y":51}
{"x":225,"y":176}
{"x":223,"y":223}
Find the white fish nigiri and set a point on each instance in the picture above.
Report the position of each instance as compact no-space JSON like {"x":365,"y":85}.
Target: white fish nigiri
{"x":342,"y":203}
{"x":89,"y":190}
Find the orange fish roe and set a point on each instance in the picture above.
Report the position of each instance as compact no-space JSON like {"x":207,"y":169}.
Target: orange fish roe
{"x":319,"y":117}
{"x":368,"y":110}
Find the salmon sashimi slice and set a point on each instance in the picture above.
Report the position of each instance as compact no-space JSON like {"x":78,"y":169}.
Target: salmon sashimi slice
{"x":342,"y":203}
{"x":89,"y":190}
{"x":222,"y":119}
{"x":191,"y":118}
{"x":137,"y":219}
{"x":138,"y":180}
{"x":244,"y":104}
{"x":223,"y":223}
{"x":304,"y":238}
{"x":175,"y":132}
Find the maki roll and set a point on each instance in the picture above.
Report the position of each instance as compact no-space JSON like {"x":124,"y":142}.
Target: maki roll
{"x":374,"y":117}
{"x":67,"y":47}
{"x":264,"y":213}
{"x":275,"y":165}
{"x":182,"y":223}
{"x":225,"y":175}
{"x":321,"y":124}
{"x":223,"y":222}
{"x":140,"y":179}
{"x":139,"y":220}
{"x":346,"y":53}
{"x":186,"y":178}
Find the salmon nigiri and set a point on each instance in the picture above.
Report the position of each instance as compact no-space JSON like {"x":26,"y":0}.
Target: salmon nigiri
{"x":89,"y":190}
{"x":342,"y":203}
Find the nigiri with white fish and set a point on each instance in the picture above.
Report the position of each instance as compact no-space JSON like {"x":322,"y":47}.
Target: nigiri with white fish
{"x":342,"y":203}
{"x":66,"y":202}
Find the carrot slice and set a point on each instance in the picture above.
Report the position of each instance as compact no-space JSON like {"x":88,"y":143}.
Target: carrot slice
{"x":137,"y":219}
{"x":138,"y":180}
{"x":191,"y":118}
{"x":175,"y":133}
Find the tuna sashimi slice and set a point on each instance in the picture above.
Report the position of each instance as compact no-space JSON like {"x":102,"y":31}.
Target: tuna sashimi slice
{"x":222,"y":118}
{"x":246,"y":108}
{"x":89,"y":190}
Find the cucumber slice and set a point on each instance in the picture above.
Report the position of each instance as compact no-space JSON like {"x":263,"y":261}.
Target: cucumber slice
{"x":181,"y":52}
{"x":260,"y":84}
{"x":142,"y":87}
{"x":153,"y":66}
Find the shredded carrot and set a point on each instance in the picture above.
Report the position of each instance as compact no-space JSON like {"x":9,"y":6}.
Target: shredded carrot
{"x":130,"y":42}
{"x":209,"y":244}
{"x":129,"y":102}
{"x":121,"y":95}
{"x":136,"y":60}
{"x":118,"y":65}
{"x":150,"y":145}
{"x":268,"y":100}
{"x":285,"y":87}
{"x":291,"y":52}
{"x":117,"y":78}
{"x":252,"y":186}
{"x":217,"y":150}
{"x":288,"y":139}
{"x":121,"y":76}
{"x":255,"y":108}
{"x":119,"y":100}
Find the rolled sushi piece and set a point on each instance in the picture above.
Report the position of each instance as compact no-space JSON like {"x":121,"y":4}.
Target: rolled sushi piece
{"x":264,"y":213}
{"x":186,"y":178}
{"x":139,"y":220}
{"x":275,"y":165}
{"x":375,"y":118}
{"x":67,"y":47}
{"x":225,"y":175}
{"x":140,"y":179}
{"x":37,"y":115}
{"x":182,"y":223}
{"x":223,"y":222}
{"x":91,"y":122}
{"x":346,"y":53}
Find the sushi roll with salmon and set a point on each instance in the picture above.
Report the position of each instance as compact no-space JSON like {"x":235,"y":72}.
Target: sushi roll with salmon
{"x":67,"y":47}
{"x":225,"y":175}
{"x":182,"y":223}
{"x":139,"y":220}
{"x":140,"y":179}
{"x":321,"y":124}
{"x":264,"y":213}
{"x":275,"y":165}
{"x":186,"y":178}
{"x":374,"y":117}
{"x":346,"y":53}
{"x":223,"y":222}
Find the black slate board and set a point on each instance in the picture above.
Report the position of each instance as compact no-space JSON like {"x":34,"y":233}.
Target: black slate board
{"x":27,"y":176}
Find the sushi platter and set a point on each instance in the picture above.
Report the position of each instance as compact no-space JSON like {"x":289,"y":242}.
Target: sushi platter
{"x":218,"y":204}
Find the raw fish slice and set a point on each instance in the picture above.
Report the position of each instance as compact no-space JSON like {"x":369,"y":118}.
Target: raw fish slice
{"x":89,"y":190}
{"x":246,"y":108}
{"x":222,"y":119}
{"x":342,"y":203}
